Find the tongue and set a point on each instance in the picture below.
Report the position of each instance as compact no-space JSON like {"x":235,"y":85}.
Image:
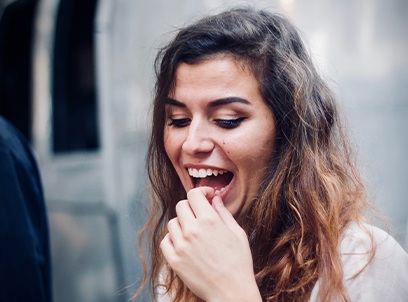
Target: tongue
{"x":216,"y":182}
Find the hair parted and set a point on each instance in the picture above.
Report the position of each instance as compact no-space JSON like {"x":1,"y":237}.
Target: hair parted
{"x":311,"y":189}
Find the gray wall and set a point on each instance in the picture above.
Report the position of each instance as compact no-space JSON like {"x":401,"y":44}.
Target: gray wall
{"x":360,"y":46}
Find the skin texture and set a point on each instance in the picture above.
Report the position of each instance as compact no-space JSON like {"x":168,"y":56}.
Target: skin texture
{"x":203,"y":142}
{"x":205,"y":246}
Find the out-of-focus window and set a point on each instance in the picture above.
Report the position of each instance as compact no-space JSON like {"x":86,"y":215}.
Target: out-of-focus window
{"x":75,"y":124}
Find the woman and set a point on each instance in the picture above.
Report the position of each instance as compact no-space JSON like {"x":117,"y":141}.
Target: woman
{"x":255,"y":193}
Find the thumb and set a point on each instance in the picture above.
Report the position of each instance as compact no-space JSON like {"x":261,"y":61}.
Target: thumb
{"x":226,"y":215}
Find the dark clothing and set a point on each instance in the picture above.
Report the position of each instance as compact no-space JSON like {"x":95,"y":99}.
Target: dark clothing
{"x":16,"y":49}
{"x":25,"y":264}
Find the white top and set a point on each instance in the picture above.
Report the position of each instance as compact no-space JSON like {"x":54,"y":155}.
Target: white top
{"x":385,"y":279}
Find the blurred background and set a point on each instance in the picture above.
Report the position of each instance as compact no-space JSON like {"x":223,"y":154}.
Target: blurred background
{"x":76,"y":78}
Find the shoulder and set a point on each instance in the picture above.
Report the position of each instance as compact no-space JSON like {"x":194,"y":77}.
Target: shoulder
{"x":7,"y":132}
{"x":10,"y":137}
{"x":15,"y":150}
{"x":375,"y":266}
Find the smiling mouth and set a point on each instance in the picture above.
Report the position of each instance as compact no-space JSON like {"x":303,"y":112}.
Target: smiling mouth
{"x":216,"y":179}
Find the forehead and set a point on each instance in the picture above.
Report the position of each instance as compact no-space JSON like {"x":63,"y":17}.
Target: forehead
{"x":221,"y":74}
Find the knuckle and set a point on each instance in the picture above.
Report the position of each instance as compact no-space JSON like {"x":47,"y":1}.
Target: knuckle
{"x":195,"y":192}
{"x":191,"y":193}
{"x":180,"y":204}
{"x":162,"y":243}
{"x":210,"y":220}
{"x":191,"y":234}
{"x":172,"y":222}
{"x":181,"y":249}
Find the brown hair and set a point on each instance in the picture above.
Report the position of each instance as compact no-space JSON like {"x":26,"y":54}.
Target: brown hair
{"x":311,"y":190}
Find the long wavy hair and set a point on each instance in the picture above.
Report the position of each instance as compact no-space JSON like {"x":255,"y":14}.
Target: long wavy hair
{"x":311,"y":190}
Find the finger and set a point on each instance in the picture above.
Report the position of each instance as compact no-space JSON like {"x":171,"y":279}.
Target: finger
{"x":175,"y":233}
{"x":226,"y":216}
{"x":185,"y":213}
{"x":167,"y":247}
{"x":199,"y":200}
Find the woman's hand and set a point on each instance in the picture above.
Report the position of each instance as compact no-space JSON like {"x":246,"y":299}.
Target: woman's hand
{"x":209,"y":251}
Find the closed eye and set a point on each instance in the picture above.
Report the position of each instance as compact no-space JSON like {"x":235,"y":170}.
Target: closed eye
{"x":179,"y":123}
{"x":229,"y":123}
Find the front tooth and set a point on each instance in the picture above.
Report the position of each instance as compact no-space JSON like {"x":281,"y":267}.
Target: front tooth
{"x":195,"y":173}
{"x":209,"y":172}
{"x":202,"y":173}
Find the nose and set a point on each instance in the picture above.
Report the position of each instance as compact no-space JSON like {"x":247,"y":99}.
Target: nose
{"x":198,"y":140}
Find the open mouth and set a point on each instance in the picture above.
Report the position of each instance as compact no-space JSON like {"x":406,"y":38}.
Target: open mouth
{"x":216,"y":179}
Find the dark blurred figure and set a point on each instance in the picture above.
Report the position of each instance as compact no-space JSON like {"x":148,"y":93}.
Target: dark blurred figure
{"x":25,"y":264}
{"x":16,"y":41}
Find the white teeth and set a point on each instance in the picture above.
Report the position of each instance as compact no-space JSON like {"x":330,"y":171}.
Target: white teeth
{"x":218,"y":192}
{"x":194,"y":172}
{"x":203,"y":173}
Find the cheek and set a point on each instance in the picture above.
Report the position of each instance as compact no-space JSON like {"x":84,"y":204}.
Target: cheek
{"x":173,"y":142}
{"x":250,"y":153}
{"x":169,"y":145}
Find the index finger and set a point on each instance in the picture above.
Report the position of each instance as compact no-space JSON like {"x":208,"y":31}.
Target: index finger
{"x":199,"y":200}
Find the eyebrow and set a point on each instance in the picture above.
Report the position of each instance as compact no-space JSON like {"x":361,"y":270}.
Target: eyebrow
{"x":212,"y":104}
{"x":173,"y":102}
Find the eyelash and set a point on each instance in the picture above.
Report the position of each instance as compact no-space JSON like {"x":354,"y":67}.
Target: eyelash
{"x":229,"y":124}
{"x":179,"y":123}
{"x":223,"y":123}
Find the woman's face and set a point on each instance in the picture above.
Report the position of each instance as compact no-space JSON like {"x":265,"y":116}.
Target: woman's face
{"x":219,"y":131}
